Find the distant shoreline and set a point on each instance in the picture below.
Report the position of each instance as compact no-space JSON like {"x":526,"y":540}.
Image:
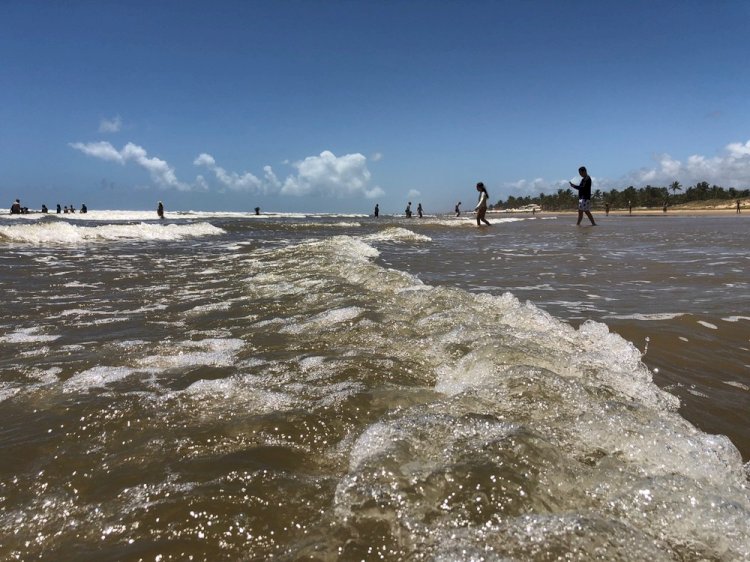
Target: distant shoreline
{"x":655,"y":212}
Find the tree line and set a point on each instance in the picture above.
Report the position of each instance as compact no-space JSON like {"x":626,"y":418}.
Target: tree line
{"x":648,"y":196}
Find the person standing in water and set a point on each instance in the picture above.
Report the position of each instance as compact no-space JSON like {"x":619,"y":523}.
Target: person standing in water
{"x":407,"y":212}
{"x":160,"y":210}
{"x":377,"y":210}
{"x":584,"y":196}
{"x":458,"y":208}
{"x":419,"y":210}
{"x":481,"y":208}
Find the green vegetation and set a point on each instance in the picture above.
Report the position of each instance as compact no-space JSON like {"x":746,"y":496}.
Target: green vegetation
{"x":647,"y":196}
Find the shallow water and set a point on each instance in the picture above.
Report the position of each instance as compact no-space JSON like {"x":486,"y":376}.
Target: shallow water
{"x":236,"y":387}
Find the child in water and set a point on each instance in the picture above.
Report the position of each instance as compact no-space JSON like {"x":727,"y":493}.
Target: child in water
{"x":481,"y":208}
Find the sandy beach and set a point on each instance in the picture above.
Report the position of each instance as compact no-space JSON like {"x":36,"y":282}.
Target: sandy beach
{"x":681,"y":211}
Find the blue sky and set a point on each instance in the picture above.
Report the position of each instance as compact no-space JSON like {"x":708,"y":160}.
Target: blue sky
{"x":334,"y":106}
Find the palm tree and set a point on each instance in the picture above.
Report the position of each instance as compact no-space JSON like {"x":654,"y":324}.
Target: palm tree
{"x":675,"y":187}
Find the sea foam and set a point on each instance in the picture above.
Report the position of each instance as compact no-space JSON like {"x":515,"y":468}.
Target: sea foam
{"x":64,"y":233}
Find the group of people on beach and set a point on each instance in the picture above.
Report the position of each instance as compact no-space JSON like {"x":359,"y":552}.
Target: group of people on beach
{"x":584,"y":201}
{"x":17,"y":209}
{"x":583,"y":188}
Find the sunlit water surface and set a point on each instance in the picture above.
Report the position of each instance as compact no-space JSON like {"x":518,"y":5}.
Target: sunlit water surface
{"x":225,"y":386}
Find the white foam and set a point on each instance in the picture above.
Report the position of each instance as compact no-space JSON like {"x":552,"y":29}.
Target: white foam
{"x":208,"y":308}
{"x":343,"y":224}
{"x":26,"y":335}
{"x":708,"y":325}
{"x":211,"y":351}
{"x":325,"y":320}
{"x":735,"y":318}
{"x":61,"y":232}
{"x":397,"y":234}
{"x":110,"y":215}
{"x":99,"y":376}
{"x":240,"y":392}
{"x":646,"y":317}
{"x":8,"y":390}
{"x":737,"y":385}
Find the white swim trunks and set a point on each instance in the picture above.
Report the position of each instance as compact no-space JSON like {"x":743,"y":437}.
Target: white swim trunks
{"x":584,"y":204}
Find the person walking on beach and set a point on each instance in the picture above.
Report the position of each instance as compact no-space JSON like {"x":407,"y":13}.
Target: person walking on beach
{"x":606,"y":209}
{"x":377,"y":210}
{"x":160,"y":210}
{"x":481,"y":208}
{"x":458,"y":208}
{"x":419,"y":210}
{"x":738,"y":206}
{"x":584,"y":196}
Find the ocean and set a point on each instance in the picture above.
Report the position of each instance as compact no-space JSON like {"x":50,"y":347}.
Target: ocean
{"x":225,"y":386}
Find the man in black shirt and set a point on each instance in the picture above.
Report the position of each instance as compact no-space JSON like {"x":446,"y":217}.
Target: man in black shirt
{"x":584,"y":196}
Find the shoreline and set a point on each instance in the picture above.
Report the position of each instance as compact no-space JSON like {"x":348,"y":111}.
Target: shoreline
{"x":636,"y":212}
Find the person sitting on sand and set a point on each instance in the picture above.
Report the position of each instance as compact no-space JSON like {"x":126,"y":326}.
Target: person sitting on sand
{"x":584,"y":196}
{"x":481,"y":208}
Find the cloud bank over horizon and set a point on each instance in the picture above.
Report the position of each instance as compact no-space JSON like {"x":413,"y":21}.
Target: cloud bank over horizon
{"x":325,"y":175}
{"x":730,"y":169}
{"x":329,"y":176}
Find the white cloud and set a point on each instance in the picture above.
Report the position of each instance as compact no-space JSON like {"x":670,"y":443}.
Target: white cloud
{"x":377,"y":157}
{"x":535,"y":186}
{"x":231,"y":180}
{"x":737,"y":149}
{"x":325,"y":175}
{"x":729,"y":169}
{"x":102,"y":150}
{"x":413,"y":193}
{"x":331,"y":175}
{"x":161,"y":172}
{"x":110,"y":125}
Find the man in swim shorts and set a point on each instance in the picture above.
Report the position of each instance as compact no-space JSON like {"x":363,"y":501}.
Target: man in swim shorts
{"x":584,"y":196}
